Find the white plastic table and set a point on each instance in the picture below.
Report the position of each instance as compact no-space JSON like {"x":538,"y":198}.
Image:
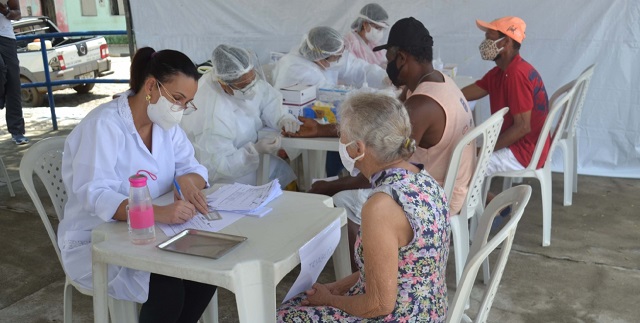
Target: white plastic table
{"x":313,"y":157}
{"x":251,"y":271}
{"x":313,"y":149}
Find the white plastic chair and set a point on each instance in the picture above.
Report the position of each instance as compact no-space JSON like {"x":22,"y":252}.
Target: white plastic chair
{"x":516,"y":197}
{"x":45,"y":159}
{"x":551,"y":128}
{"x":6,"y":178}
{"x":473,"y":202}
{"x":568,"y":143}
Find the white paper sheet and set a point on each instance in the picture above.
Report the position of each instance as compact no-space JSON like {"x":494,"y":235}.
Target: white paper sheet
{"x":199,"y":222}
{"x":313,"y":257}
{"x":326,"y":179}
{"x":242,"y":197}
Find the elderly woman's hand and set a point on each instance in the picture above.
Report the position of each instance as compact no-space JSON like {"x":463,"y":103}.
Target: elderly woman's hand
{"x":192,"y":192}
{"x":318,"y":295}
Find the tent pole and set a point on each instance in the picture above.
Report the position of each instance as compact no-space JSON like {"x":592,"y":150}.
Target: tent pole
{"x":130,"y":32}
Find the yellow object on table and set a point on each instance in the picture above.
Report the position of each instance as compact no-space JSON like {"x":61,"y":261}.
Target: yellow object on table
{"x":325,"y":111}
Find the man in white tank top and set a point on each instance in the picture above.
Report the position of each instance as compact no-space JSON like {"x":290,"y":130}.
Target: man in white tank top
{"x":10,"y":72}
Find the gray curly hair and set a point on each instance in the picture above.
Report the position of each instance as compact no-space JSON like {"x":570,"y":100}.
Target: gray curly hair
{"x":381,"y":122}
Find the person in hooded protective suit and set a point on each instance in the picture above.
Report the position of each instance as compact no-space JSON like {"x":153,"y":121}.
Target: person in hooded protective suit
{"x":366,"y":33}
{"x":234,"y":103}
{"x":321,"y":60}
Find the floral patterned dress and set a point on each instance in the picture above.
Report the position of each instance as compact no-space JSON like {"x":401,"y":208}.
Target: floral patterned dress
{"x":422,"y":289}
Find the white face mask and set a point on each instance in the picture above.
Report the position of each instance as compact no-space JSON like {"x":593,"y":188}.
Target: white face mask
{"x":348,"y":162}
{"x":489,"y":50}
{"x":161,"y":114}
{"x":247,"y":93}
{"x":374,"y":35}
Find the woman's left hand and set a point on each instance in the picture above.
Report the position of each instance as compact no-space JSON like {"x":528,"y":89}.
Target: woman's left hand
{"x":193,"y":194}
{"x":318,"y":295}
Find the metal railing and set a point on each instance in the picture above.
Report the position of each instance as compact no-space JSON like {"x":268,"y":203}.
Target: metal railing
{"x":45,"y":62}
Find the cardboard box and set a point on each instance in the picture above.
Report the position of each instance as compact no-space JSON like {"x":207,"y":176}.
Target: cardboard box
{"x":333,"y":96}
{"x":297,"y":110}
{"x":298,"y":94}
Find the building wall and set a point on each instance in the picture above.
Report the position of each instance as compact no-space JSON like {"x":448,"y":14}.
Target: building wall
{"x":104,"y":20}
{"x":68,"y":14}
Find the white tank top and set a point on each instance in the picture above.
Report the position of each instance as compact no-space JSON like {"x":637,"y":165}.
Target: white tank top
{"x":6,"y":29}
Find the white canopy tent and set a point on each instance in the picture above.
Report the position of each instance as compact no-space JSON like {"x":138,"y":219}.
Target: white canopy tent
{"x":563,"y":38}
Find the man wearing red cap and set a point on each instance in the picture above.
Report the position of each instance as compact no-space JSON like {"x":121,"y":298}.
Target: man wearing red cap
{"x":513,"y":83}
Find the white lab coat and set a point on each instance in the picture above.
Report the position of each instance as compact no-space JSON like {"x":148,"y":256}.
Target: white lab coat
{"x":224,"y":130}
{"x":294,"y":69}
{"x":99,"y":156}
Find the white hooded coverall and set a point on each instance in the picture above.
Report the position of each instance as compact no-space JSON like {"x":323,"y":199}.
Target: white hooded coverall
{"x":294,"y":69}
{"x":224,"y":130}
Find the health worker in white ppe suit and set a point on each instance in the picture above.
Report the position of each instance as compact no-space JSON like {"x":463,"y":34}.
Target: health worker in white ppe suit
{"x":366,"y":33}
{"x":234,"y":102}
{"x":321,"y":60}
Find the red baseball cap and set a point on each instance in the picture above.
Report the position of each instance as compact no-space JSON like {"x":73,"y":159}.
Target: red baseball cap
{"x":513,"y":27}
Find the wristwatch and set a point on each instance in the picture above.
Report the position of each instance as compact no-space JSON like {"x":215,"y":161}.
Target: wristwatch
{"x":8,"y":13}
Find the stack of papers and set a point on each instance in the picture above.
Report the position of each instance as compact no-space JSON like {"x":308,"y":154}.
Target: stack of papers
{"x":232,"y":202}
{"x":245,"y":199}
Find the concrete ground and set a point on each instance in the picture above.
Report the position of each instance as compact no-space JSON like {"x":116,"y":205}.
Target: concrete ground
{"x":588,"y":274}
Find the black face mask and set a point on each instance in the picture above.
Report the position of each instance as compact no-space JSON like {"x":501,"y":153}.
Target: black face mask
{"x":393,"y":71}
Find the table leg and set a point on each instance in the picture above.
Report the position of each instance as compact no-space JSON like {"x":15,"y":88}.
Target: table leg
{"x":314,"y":163}
{"x":256,"y":293}
{"x":306,"y":169}
{"x":341,"y":260}
{"x":263,"y":169}
{"x":100,"y":302}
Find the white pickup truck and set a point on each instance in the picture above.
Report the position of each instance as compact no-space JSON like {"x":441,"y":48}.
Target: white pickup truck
{"x":69,"y":58}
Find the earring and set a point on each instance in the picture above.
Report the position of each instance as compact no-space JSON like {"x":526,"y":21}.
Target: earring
{"x":148,"y":97}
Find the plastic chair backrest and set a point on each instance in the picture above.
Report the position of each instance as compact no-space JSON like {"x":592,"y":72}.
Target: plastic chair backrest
{"x":489,"y":130}
{"x":516,"y":197}
{"x":45,"y":159}
{"x":581,"y":87}
{"x":553,"y":124}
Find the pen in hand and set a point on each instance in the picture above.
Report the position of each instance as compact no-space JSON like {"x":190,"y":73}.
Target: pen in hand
{"x":177,"y":186}
{"x":212,"y":215}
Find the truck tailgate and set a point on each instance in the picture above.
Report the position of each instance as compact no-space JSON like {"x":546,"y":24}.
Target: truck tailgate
{"x":81,"y":51}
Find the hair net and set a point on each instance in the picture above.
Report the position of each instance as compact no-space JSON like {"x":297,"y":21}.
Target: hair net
{"x":230,"y":63}
{"x":320,"y":43}
{"x":372,"y":12}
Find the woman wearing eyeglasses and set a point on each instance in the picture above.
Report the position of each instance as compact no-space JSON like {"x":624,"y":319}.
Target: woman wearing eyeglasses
{"x":136,"y":131}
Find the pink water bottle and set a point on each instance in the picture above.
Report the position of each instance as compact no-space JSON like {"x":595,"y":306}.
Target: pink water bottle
{"x":140,"y":210}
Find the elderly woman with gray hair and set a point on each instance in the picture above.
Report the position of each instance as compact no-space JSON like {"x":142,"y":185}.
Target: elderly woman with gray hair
{"x":403,"y":243}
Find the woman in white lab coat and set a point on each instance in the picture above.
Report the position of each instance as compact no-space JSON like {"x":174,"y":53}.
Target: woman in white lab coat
{"x":321,"y":60}
{"x":234,"y":104}
{"x":136,"y":131}
{"x":366,"y":33}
